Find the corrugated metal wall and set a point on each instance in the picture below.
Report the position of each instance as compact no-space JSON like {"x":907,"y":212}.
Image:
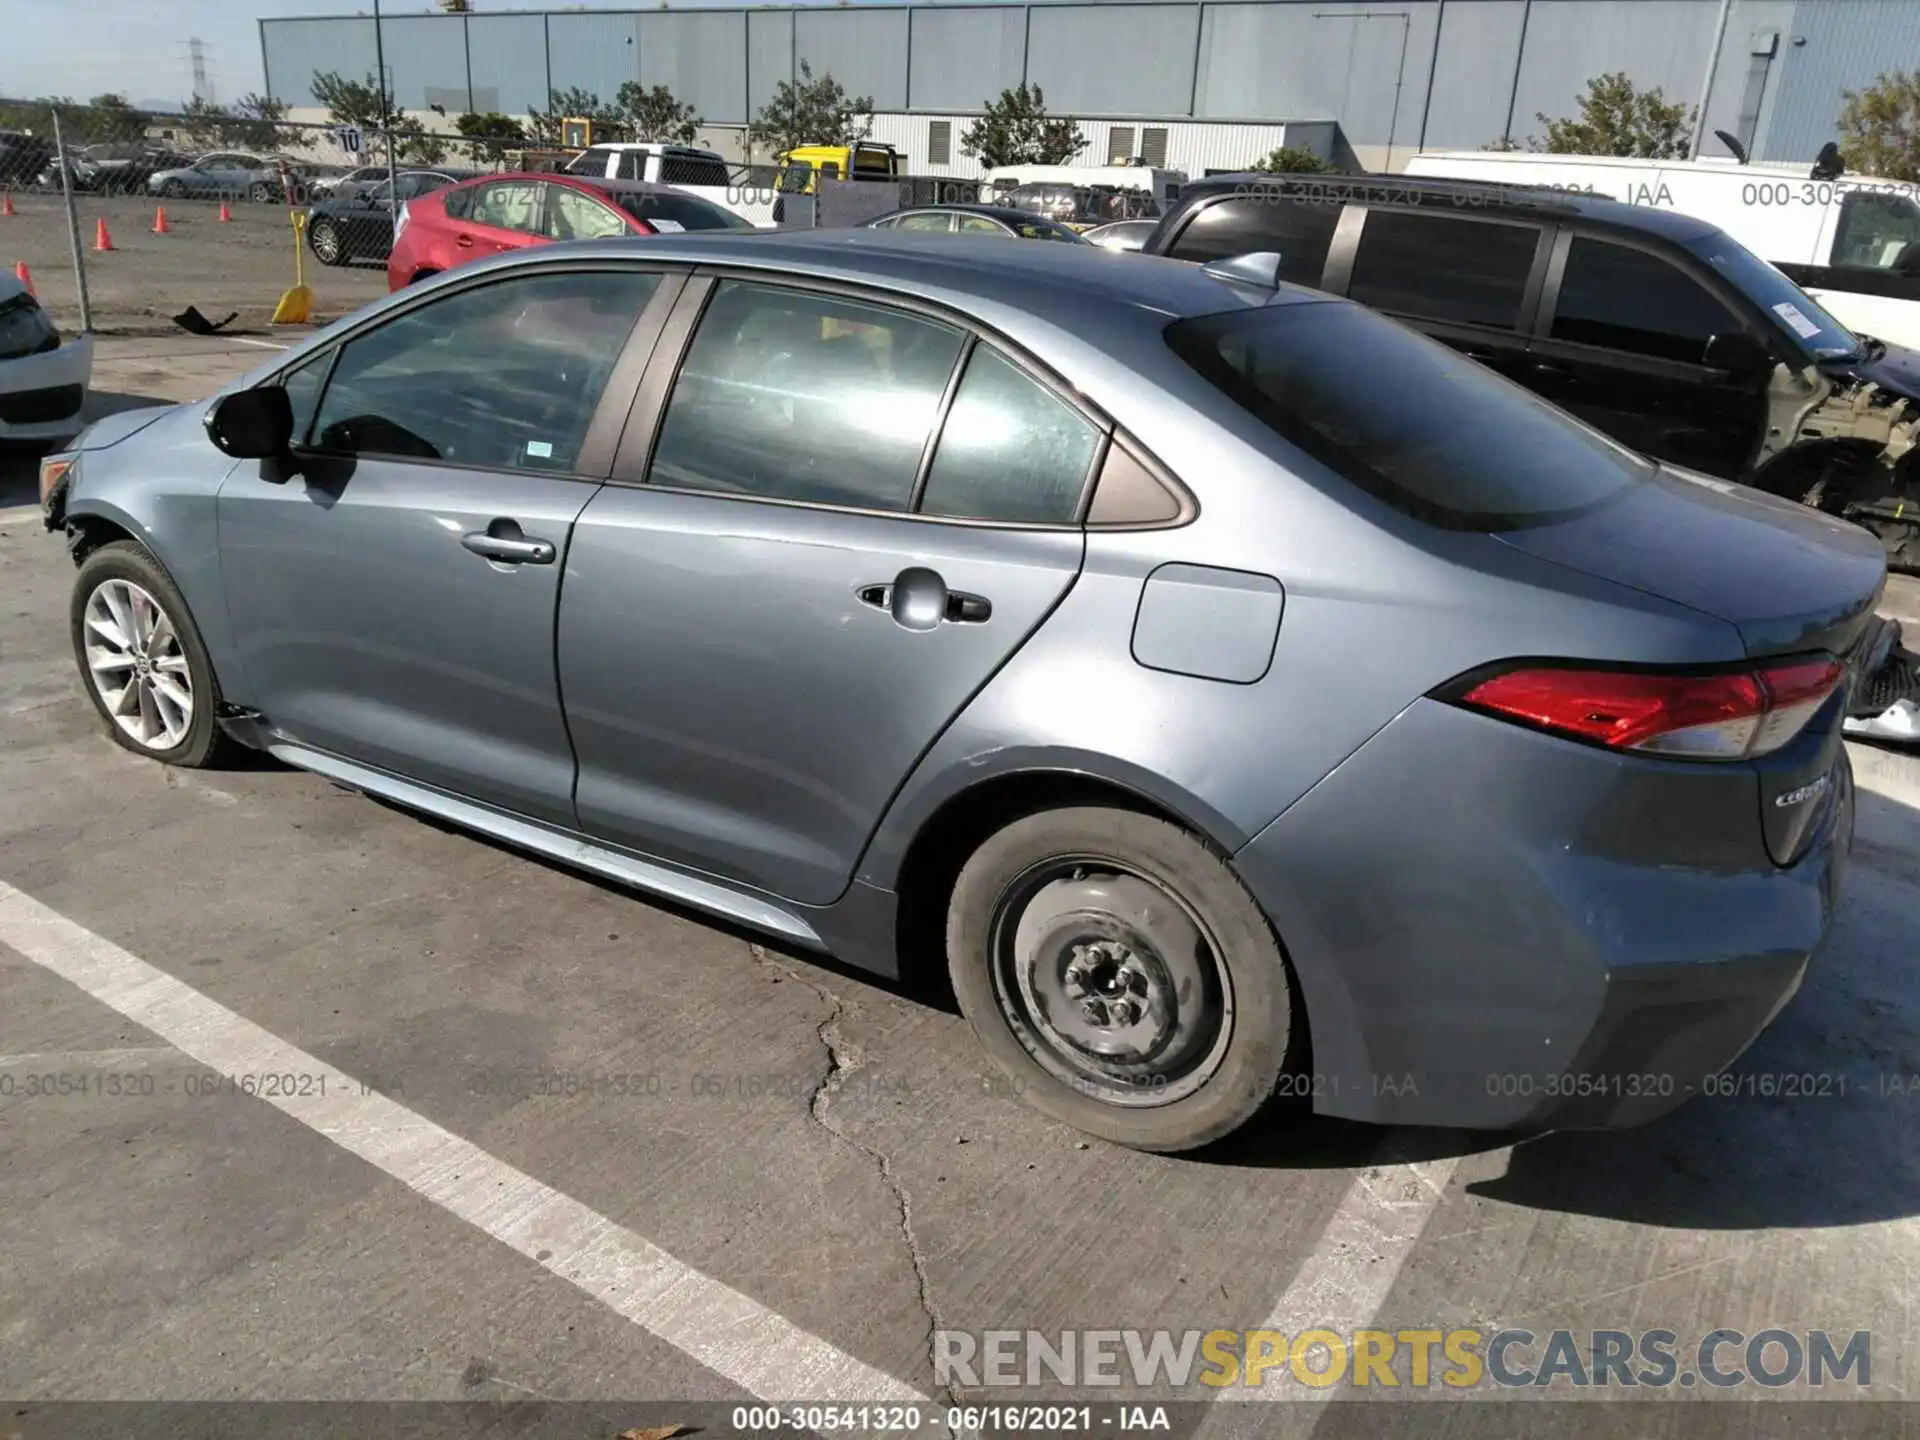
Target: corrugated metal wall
{"x":1847,"y":47}
{"x":1395,"y":74}
{"x":508,"y":55}
{"x":1195,"y":148}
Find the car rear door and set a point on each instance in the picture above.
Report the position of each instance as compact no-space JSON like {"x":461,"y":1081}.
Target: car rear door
{"x":502,"y":216}
{"x":395,"y":584}
{"x":1623,"y":331}
{"x":789,"y":590}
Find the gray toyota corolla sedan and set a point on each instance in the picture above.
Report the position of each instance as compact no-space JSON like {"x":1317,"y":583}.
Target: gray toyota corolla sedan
{"x":1248,"y":699}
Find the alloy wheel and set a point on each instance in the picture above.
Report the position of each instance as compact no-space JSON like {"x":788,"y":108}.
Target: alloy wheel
{"x":138,"y":666}
{"x":1111,"y":982}
{"x":326,"y":243}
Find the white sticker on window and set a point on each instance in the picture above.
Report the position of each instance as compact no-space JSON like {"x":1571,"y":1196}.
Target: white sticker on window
{"x":540,"y":449}
{"x":1802,"y":326}
{"x":667,"y":227}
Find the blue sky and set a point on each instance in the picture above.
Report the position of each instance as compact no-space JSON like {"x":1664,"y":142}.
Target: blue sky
{"x":139,"y":47}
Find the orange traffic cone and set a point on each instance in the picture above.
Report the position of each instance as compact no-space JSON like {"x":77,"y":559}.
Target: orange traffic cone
{"x":6,"y":202}
{"x":101,"y":239}
{"x":20,"y":274}
{"x":226,"y":215}
{"x":160,"y":220}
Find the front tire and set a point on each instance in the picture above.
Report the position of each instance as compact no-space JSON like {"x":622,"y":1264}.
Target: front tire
{"x":260,"y":192}
{"x":1121,"y":977}
{"x":173,"y":190}
{"x":142,"y":660}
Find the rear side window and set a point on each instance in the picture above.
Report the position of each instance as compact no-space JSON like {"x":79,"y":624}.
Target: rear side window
{"x":1299,"y":226}
{"x":1626,"y":299}
{"x":1440,"y":267}
{"x":633,"y":165}
{"x":508,"y":205}
{"x":693,"y":170}
{"x":665,"y":210}
{"x":1405,"y":418}
{"x":1011,"y":449}
{"x":793,"y":395}
{"x":459,"y":203}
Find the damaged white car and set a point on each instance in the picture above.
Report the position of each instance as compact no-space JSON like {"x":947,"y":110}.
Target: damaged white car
{"x":43,"y":379}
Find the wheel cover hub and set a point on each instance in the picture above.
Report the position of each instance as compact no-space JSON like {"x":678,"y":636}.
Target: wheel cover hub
{"x":1112,"y":985}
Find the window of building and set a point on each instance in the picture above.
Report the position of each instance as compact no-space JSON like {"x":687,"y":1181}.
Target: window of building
{"x":1153,"y":146}
{"x":940,"y":142}
{"x":1120,"y":145}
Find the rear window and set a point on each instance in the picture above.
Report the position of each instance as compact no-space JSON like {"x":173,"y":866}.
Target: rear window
{"x":1405,"y":418}
{"x":688,"y":212}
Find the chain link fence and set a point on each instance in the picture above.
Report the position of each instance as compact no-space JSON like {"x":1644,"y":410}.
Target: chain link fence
{"x":121,"y":222}
{"x":127,"y":222}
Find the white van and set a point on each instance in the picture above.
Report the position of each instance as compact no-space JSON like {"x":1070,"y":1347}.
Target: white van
{"x":685,"y":167}
{"x":1853,"y":242}
{"x":1161,"y":186}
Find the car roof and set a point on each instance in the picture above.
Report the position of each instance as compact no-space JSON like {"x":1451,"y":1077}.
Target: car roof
{"x":586,"y":182}
{"x":1533,"y":202}
{"x":1010,"y":213}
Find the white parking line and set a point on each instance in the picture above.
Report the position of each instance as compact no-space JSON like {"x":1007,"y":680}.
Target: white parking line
{"x":731,"y":1334}
{"x":1346,"y":1280}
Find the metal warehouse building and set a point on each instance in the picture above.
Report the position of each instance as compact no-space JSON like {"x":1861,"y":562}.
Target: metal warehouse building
{"x":1198,"y":86}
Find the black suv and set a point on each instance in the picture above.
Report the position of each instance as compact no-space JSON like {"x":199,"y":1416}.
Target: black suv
{"x":1659,"y":329}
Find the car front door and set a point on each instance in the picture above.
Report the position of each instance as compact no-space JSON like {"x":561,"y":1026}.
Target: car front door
{"x":1625,"y":335}
{"x":1470,"y":281}
{"x":503,"y":216}
{"x":394,"y":584}
{"x":758,"y":643}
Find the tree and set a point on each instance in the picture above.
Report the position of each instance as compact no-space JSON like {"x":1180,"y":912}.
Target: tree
{"x":1616,"y":119}
{"x":252,"y":124}
{"x":1880,"y":127}
{"x":491,"y":135}
{"x":365,"y":105}
{"x":1505,"y":142}
{"x":655,"y":115}
{"x":811,"y":112}
{"x":1293,"y":160}
{"x":571,"y":104}
{"x":1016,"y":130}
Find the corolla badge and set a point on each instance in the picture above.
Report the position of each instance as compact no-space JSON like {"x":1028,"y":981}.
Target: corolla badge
{"x":1804,"y":793}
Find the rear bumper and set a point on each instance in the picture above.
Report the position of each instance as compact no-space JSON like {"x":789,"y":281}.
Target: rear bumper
{"x":43,"y":397}
{"x":1497,"y":929}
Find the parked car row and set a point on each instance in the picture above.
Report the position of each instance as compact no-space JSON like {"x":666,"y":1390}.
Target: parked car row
{"x":855,"y":522}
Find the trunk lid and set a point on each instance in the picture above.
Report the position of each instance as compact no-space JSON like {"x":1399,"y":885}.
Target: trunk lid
{"x":1788,"y":578}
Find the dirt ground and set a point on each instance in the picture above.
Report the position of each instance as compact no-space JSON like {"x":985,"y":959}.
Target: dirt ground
{"x":243,"y":265}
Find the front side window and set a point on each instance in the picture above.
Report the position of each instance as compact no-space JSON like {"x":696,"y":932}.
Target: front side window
{"x":1440,"y":267}
{"x":1299,"y":228}
{"x":1405,"y":418}
{"x":794,"y":395}
{"x":508,"y":205}
{"x":1010,"y":450}
{"x":302,"y":385}
{"x":1626,"y":299}
{"x":501,"y":377}
{"x":573,"y":215}
{"x":980,"y":225}
{"x":934,"y":221}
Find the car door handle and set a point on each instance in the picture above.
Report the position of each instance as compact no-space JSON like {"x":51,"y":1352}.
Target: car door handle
{"x":918,"y":599}
{"x":465,"y":242}
{"x":504,"y":541}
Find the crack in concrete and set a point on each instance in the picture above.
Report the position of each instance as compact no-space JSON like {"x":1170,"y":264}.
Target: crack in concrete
{"x":843,"y":1059}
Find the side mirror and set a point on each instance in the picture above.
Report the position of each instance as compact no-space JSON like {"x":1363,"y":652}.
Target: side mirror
{"x":253,"y":424}
{"x":1737,"y":353}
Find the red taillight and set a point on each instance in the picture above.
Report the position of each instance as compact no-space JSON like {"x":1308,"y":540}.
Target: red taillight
{"x":1707,"y":717}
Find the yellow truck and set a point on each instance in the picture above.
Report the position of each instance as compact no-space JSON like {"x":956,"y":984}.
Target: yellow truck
{"x":801,"y":166}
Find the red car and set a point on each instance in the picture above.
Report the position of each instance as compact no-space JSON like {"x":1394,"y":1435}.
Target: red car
{"x":504,"y":212}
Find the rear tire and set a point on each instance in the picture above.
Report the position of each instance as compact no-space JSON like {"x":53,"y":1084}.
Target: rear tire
{"x":420,"y":275}
{"x":121,"y":588}
{"x":1121,"y":977}
{"x":260,"y":192}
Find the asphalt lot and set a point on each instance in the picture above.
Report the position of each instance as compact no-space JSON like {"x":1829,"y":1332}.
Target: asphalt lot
{"x":801,"y":1172}
{"x":242,"y":266}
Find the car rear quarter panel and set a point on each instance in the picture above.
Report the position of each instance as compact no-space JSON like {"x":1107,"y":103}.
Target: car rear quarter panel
{"x":1376,"y":610}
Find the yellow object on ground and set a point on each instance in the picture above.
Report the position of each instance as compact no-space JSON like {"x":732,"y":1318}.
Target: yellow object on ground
{"x":296,"y":306}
